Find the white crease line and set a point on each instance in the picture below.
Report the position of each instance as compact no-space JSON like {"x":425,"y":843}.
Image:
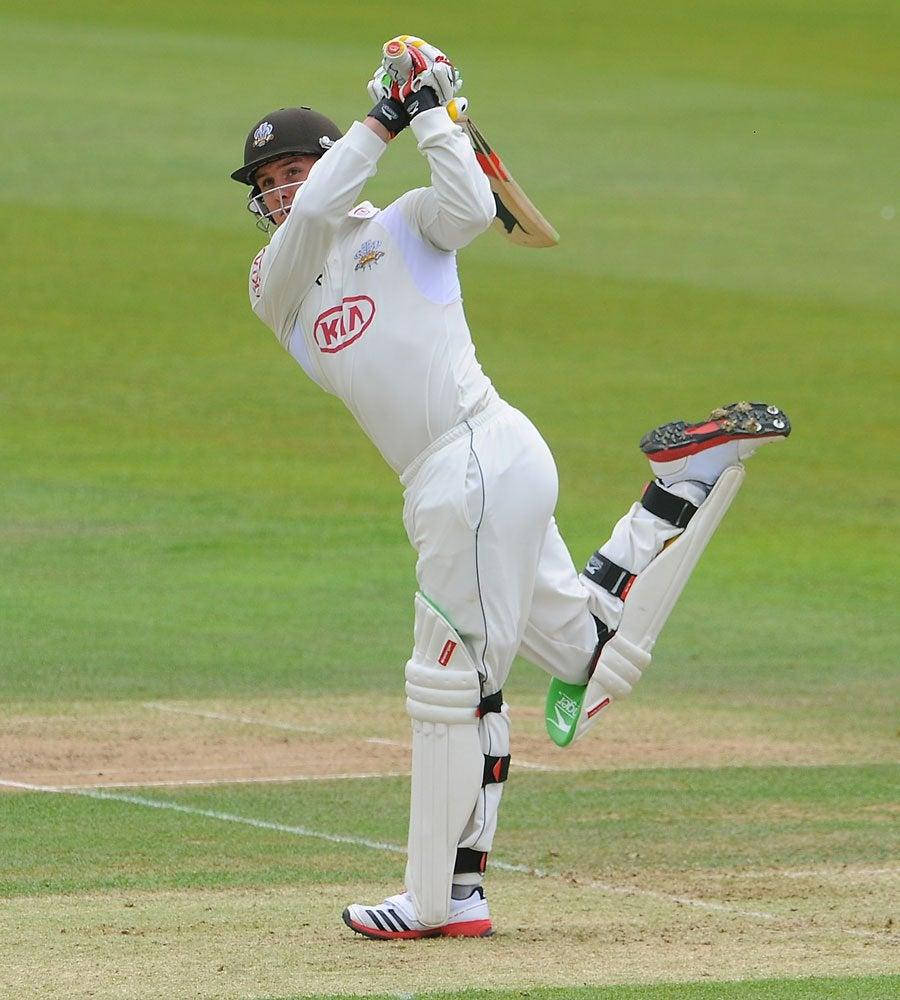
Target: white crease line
{"x":248,"y":720}
{"x":259,"y":780}
{"x":185,"y":782}
{"x":261,"y":824}
{"x":302,"y":831}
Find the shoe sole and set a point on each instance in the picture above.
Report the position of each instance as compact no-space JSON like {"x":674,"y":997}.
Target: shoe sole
{"x":466,"y":928}
{"x":737,"y":421}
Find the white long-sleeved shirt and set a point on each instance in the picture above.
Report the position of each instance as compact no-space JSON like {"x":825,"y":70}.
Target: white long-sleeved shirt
{"x":368,"y":301}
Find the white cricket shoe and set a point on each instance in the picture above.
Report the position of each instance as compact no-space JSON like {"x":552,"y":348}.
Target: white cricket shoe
{"x":395,"y":918}
{"x":701,"y":452}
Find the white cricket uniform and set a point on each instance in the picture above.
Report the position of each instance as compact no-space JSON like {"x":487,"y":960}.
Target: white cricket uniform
{"x":368,"y":302}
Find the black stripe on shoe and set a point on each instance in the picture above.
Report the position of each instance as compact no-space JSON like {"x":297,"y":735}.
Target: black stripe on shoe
{"x":374,"y":918}
{"x":399,"y":920}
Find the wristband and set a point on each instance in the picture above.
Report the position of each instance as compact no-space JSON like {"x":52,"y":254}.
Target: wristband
{"x":391,"y":114}
{"x":421,"y":100}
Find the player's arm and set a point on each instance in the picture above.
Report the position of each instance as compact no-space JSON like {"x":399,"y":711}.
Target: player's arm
{"x":288,"y":267}
{"x":459,"y":204}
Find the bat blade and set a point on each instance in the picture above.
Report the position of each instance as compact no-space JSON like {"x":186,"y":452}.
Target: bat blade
{"x":517,"y":217}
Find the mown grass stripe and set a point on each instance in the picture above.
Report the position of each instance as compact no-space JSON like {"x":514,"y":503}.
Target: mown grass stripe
{"x":262,"y":824}
{"x":377,"y":845}
{"x":808,"y":988}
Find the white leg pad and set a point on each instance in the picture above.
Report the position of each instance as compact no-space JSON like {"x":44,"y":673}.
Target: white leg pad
{"x":443,"y":691}
{"x":650,"y":601}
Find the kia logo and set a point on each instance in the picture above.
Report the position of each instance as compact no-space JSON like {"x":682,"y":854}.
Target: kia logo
{"x":340,"y":326}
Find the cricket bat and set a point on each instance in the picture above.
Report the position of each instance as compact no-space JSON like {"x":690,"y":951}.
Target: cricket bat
{"x":517,"y":217}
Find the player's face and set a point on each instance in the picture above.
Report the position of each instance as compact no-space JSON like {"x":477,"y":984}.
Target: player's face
{"x":278,"y":182}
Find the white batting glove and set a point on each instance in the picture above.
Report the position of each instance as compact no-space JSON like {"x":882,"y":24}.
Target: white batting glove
{"x":381,"y":87}
{"x":426,"y":66}
{"x":388,"y":109}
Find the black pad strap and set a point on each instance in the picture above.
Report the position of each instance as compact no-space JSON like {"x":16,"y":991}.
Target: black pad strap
{"x":606,"y":574}
{"x":490,"y":703}
{"x":496,"y":769}
{"x":468,"y":861}
{"x":666,"y":505}
{"x":604,"y":634}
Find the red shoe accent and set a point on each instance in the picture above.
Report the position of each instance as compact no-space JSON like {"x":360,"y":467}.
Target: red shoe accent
{"x":697,"y":446}
{"x":468,"y":928}
{"x":734,"y":422}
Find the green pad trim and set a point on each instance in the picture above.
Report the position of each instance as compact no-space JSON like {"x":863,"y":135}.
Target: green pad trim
{"x":438,"y":609}
{"x":563,"y":710}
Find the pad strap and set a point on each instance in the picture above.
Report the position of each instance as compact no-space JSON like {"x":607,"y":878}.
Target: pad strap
{"x":604,"y":634}
{"x":469,"y":861}
{"x":669,"y":507}
{"x":496,"y":769}
{"x":490,"y":703}
{"x":608,"y":575}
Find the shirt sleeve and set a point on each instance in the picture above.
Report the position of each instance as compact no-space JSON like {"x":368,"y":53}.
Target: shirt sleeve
{"x":459,"y":205}
{"x":284,"y":271}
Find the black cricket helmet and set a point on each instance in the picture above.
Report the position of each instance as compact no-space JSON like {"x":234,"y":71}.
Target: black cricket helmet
{"x":283,"y":132}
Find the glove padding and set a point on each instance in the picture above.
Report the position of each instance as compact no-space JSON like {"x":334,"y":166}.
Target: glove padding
{"x":388,"y":107}
{"x":381,"y":87}
{"x":430,"y":68}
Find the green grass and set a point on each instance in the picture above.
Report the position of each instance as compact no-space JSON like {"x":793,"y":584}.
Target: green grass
{"x":177,"y":484}
{"x":653,"y":822}
{"x":862,"y":988}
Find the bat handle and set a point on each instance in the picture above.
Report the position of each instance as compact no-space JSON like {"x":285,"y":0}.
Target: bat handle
{"x":397,"y":60}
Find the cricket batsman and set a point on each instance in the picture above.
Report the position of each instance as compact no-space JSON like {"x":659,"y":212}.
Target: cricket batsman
{"x":367,"y":301}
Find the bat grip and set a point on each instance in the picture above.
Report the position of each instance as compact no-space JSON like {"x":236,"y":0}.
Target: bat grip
{"x":397,"y":60}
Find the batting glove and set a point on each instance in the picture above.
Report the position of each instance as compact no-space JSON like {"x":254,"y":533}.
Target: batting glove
{"x":388,"y":108}
{"x":424,"y":66}
{"x":382,"y":86}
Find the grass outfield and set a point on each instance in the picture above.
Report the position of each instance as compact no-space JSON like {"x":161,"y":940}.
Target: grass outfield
{"x":206,"y":591}
{"x":873,"y":988}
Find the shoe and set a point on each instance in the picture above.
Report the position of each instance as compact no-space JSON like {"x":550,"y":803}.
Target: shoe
{"x":395,"y":919}
{"x":701,"y":452}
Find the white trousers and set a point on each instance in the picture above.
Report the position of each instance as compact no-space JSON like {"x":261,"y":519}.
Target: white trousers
{"x":478,"y":509}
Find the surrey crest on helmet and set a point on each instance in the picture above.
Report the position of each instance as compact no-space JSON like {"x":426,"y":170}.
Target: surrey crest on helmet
{"x":263,"y":134}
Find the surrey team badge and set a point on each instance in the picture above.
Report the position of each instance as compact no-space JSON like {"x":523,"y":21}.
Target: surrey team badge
{"x":263,"y":134}
{"x":368,"y":255}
